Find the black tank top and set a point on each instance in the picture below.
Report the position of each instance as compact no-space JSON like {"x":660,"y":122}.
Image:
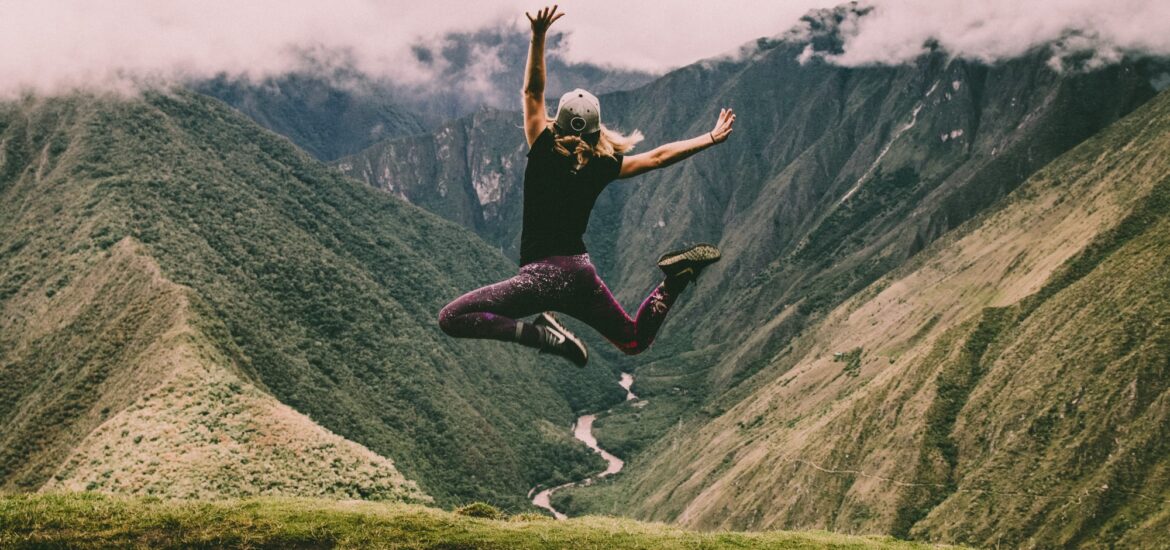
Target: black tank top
{"x":558,"y":199}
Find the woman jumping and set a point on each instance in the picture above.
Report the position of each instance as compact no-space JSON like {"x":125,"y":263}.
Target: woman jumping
{"x":571,"y":158}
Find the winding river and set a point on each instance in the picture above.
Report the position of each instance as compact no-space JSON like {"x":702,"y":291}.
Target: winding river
{"x":583,"y":430}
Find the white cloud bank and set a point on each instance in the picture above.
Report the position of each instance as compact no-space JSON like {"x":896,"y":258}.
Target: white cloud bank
{"x":897,"y":31}
{"x":52,"y":45}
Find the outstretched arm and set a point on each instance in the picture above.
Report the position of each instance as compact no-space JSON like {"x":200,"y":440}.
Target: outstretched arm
{"x":535,"y":117}
{"x":671,"y":153}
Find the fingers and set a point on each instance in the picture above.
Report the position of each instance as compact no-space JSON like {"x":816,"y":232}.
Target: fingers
{"x":544,"y":17}
{"x":724,"y":125}
{"x":723,"y":114}
{"x":726,"y":116}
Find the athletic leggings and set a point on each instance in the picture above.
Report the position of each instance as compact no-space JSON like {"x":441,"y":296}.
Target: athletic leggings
{"x":566,"y":284}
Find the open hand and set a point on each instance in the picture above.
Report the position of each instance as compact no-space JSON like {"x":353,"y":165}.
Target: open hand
{"x":723,"y":126}
{"x":543,"y":20}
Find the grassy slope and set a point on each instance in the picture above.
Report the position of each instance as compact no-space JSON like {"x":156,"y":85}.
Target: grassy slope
{"x":204,"y":431}
{"x":90,"y":521}
{"x":175,"y":418}
{"x":1017,"y":416}
{"x":315,"y":289}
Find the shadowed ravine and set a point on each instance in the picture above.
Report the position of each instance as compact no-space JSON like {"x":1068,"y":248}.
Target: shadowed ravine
{"x":583,"y":430}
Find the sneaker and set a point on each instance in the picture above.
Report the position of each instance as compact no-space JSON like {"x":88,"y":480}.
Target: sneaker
{"x":558,"y":340}
{"x":688,"y":262}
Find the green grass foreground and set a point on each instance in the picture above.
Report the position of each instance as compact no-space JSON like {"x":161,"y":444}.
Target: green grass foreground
{"x":88,"y":520}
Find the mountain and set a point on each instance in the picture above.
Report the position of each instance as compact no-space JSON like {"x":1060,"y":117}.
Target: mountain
{"x":834,"y":176}
{"x":191,"y":306}
{"x":834,"y":179}
{"x":329,"y":116}
{"x":1007,"y":386}
{"x":333,"y":111}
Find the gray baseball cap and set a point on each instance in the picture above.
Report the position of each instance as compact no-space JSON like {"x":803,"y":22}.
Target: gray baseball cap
{"x":579,"y":113}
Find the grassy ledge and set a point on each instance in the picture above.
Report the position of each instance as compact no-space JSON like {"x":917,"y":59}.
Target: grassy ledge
{"x":90,"y":520}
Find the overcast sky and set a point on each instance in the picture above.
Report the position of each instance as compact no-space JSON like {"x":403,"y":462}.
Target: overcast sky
{"x":48,"y":45}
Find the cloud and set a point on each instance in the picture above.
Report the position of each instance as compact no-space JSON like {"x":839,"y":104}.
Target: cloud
{"x":897,"y":31}
{"x":58,"y":44}
{"x":52,"y":45}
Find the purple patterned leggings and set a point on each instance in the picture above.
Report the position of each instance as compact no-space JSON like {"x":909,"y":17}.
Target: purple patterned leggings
{"x":566,"y":284}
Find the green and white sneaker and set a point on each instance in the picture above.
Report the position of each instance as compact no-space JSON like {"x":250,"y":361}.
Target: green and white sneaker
{"x":686,"y":264}
{"x":558,"y":340}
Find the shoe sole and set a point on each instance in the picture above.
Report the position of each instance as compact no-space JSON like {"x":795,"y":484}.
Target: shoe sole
{"x":700,"y":253}
{"x":556,"y":325}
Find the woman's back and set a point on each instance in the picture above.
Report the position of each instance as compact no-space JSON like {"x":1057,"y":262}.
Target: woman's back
{"x":558,"y":198}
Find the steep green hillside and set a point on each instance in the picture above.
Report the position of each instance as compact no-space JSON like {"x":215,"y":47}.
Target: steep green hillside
{"x":327,"y":116}
{"x":314,"y":289}
{"x":129,"y":396}
{"x":90,"y":521}
{"x":1006,"y":387}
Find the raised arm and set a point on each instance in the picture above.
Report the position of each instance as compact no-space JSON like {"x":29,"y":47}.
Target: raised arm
{"x":671,"y":153}
{"x":535,"y":117}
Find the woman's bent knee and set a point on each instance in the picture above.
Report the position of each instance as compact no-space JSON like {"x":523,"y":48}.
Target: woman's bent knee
{"x":447,"y":320}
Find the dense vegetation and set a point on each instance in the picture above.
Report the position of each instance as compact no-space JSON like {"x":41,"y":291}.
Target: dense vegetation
{"x":318,"y":289}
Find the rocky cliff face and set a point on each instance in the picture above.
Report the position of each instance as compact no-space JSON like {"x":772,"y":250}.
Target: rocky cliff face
{"x":469,"y":171}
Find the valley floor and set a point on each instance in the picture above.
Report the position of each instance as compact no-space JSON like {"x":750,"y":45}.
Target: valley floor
{"x":88,"y":520}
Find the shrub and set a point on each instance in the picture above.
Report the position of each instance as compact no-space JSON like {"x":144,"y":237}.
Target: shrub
{"x":480,"y":510}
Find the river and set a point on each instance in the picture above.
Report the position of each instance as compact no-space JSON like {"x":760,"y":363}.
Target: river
{"x":583,"y":430}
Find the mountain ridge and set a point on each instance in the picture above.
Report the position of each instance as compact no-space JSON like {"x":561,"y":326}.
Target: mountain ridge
{"x":321,"y":291}
{"x":939,"y":385}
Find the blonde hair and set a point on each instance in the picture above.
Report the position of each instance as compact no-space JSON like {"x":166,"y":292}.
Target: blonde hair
{"x":609,"y":143}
